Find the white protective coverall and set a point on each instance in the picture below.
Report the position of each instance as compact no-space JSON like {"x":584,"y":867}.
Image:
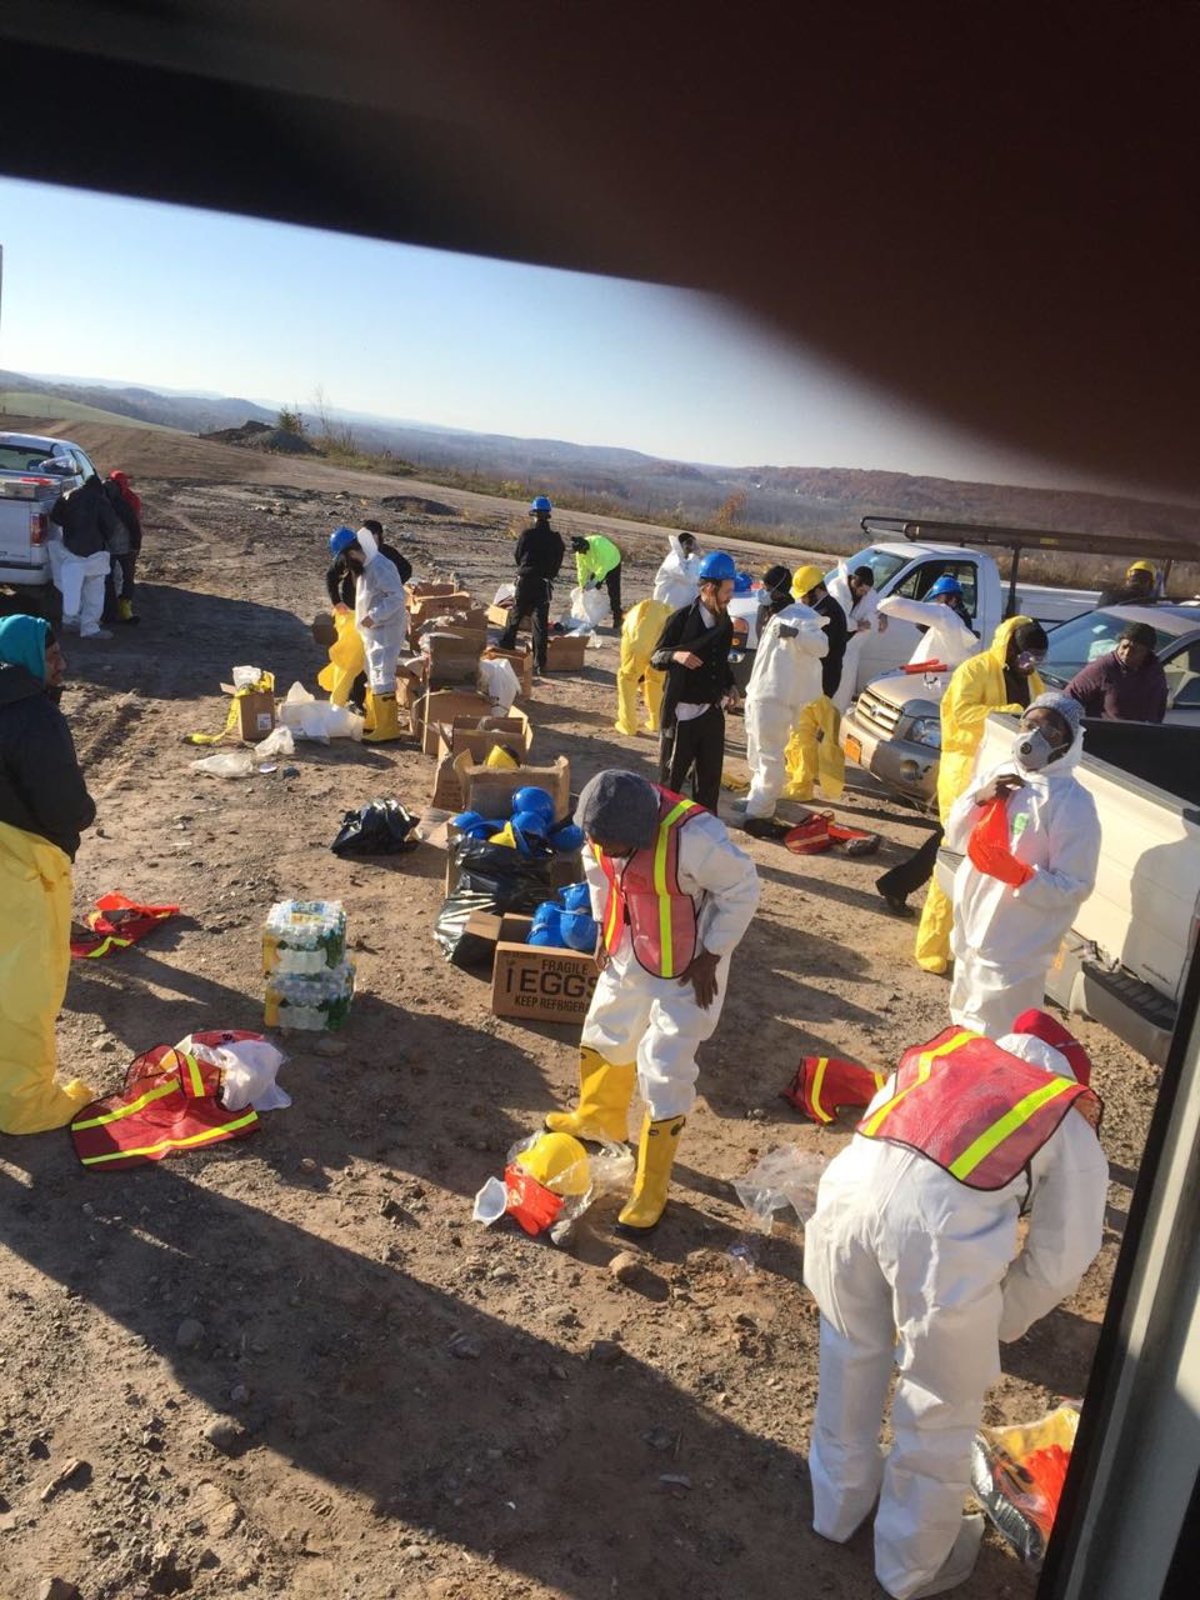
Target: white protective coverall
{"x":656,"y":1021}
{"x":862,"y":617}
{"x":786,"y":678}
{"x":947,"y":638}
{"x":379,"y":594}
{"x":81,"y":582}
{"x":677,"y":581}
{"x":911,"y":1267}
{"x":1004,"y":939}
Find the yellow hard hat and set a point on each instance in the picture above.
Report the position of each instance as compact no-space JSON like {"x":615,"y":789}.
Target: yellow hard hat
{"x":505,"y":836}
{"x":499,"y":756}
{"x":558,"y":1162}
{"x":805,"y":579}
{"x":1140,"y":566}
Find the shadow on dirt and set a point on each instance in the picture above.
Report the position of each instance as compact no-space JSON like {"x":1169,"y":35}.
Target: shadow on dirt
{"x":444,"y":1415}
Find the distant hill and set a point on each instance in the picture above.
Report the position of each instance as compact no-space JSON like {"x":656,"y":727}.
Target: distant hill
{"x":816,"y":505}
{"x":24,"y":402}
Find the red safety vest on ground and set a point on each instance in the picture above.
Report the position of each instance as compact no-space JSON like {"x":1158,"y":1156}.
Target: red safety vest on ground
{"x":645,"y":893}
{"x":976,"y":1111}
{"x":170,"y":1102}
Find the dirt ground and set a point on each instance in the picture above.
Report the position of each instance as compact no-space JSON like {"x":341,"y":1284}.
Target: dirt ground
{"x":415,"y":1406}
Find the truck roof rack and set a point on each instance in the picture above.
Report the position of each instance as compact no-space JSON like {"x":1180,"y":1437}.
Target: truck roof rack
{"x":1153,"y":546}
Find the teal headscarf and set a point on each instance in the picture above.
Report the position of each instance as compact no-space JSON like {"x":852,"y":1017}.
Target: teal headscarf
{"x":23,"y":644}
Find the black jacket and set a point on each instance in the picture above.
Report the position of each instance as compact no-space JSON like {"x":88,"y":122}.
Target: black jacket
{"x":540,"y":551}
{"x":342,"y":579}
{"x":124,"y":512}
{"x":87,"y":520}
{"x":41,"y":787}
{"x":707,"y":684}
{"x":836,"y":633}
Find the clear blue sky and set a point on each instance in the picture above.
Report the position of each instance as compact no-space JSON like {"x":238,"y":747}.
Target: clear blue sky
{"x":102,"y":287}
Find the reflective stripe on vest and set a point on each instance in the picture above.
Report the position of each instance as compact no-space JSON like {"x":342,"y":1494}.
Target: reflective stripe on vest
{"x":664,"y":937}
{"x":842,"y":1070}
{"x":977,"y":1112}
{"x":148,"y":1152}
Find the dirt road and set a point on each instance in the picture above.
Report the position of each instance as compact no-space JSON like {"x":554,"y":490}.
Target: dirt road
{"x":414,"y":1406}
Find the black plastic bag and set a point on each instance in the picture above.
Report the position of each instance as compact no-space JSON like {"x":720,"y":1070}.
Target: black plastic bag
{"x":490,"y":877}
{"x":382,"y":828}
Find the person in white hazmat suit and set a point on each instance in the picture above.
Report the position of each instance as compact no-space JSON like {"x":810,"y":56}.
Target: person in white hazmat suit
{"x":677,"y":581}
{"x":913,"y":1258}
{"x":855,"y":593}
{"x":786,"y":678}
{"x":672,"y":896}
{"x":381,"y":617}
{"x":1029,"y":836}
{"x":948,"y":638}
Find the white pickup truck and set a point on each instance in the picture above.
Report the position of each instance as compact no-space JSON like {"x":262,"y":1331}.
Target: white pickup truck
{"x":34,"y":471}
{"x":1125,"y":961}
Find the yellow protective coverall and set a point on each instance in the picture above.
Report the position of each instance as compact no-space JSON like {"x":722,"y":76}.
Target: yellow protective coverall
{"x":346,"y":660}
{"x":976,"y":688}
{"x":814,"y":754}
{"x":640,"y":632}
{"x":35,"y":957}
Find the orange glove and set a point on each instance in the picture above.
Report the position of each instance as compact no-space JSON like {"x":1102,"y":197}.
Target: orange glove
{"x":989,"y":850}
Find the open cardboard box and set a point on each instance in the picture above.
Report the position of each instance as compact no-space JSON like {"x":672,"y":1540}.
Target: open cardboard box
{"x":453,"y":658}
{"x":500,"y":616}
{"x":420,"y":591}
{"x":539,"y":983}
{"x":566,"y":652}
{"x":255,"y":710}
{"x":443,"y":705}
{"x":489,"y":790}
{"x":464,"y":734}
{"x":522,"y":665}
{"x":437,"y":605}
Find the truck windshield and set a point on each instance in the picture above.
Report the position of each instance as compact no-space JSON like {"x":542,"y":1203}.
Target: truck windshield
{"x":884,"y":564}
{"x":1083,"y":639}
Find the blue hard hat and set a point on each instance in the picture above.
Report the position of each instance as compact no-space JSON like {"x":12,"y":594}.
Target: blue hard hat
{"x":533,"y":799}
{"x":575,"y":896}
{"x":341,"y":540}
{"x":545,"y":914}
{"x":743,"y":583}
{"x":464,"y":821}
{"x":578,"y":930}
{"x":717,"y":567}
{"x":541,"y":502}
{"x":567,"y":838}
{"x":547,"y":931}
{"x":531,"y":822}
{"x":946,"y":585}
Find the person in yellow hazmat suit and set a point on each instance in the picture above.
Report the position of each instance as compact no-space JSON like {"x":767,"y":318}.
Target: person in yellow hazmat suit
{"x":1003,"y":677}
{"x":640,"y":633}
{"x":814,"y":753}
{"x":44,"y":807}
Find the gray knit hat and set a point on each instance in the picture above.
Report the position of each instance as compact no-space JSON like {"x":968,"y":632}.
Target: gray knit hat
{"x":618,"y":807}
{"x":1067,"y":707}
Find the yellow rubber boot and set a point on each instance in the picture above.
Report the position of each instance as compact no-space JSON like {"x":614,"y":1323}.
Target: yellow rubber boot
{"x":605,"y":1095}
{"x":387,"y":721}
{"x":656,"y":1156}
{"x":125,"y":611}
{"x":627,"y":693}
{"x":368,"y":713}
{"x":652,"y":692}
{"x":932,"y":950}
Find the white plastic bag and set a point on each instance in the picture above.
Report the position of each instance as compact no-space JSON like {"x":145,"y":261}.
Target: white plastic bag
{"x":309,"y":718}
{"x":248,"y":1068}
{"x":504,"y":594}
{"x":226,"y":764}
{"x":589,"y":605}
{"x":500,"y":683}
{"x":246,"y":677}
{"x":277,"y":743}
{"x":786,"y":1176}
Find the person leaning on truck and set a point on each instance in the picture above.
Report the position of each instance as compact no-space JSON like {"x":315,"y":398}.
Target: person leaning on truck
{"x":1004,"y":677}
{"x":44,"y":807}
{"x":89,"y":531}
{"x":1140,"y":587}
{"x":1126,"y":685}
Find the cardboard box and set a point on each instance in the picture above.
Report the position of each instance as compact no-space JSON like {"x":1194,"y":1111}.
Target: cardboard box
{"x":522,"y":665}
{"x":566,"y":652}
{"x":256,"y":714}
{"x":443,"y":705}
{"x":453,"y":659}
{"x":420,"y":610}
{"x":498,"y":616}
{"x":489,"y":790}
{"x":419,"y":591}
{"x":464,"y":733}
{"x":539,"y":983}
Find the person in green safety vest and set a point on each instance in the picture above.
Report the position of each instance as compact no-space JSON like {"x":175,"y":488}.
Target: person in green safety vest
{"x":598,"y":562}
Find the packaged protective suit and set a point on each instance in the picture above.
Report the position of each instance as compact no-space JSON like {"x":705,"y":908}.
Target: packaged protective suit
{"x":1006,"y":933}
{"x":677,"y":581}
{"x":786,"y":679}
{"x":976,"y":688}
{"x":917,"y":1268}
{"x":380,"y":596}
{"x":947,"y":638}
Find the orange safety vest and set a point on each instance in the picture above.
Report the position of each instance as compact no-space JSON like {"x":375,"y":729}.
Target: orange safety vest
{"x":646,"y":894}
{"x":976,"y":1111}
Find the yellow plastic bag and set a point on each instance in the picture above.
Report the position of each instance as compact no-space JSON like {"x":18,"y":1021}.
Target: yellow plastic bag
{"x":347,"y":660}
